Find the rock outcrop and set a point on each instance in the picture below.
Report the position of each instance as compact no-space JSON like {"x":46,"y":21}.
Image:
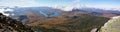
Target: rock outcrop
{"x":11,"y":25}
{"x":113,"y":25}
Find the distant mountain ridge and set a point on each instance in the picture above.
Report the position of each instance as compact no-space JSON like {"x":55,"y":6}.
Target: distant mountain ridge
{"x":54,"y":11}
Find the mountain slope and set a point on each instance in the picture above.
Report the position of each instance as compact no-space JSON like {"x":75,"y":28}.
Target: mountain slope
{"x":82,"y":23}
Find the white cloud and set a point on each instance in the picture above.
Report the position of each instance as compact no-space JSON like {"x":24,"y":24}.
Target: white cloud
{"x":23,"y":3}
{"x":67,"y":8}
{"x":2,"y":10}
{"x":74,"y":4}
{"x":70,"y":7}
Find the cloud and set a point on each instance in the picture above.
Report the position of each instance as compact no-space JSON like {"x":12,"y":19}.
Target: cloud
{"x":2,"y":10}
{"x":74,"y":4}
{"x":23,"y":3}
{"x":69,"y":7}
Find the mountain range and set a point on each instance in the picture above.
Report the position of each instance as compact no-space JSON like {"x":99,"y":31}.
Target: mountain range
{"x":47,"y":19}
{"x":27,"y":14}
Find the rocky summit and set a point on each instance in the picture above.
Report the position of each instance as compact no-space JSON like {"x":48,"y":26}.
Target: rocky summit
{"x":11,"y":25}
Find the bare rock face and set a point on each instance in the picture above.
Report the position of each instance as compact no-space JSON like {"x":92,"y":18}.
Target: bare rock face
{"x":113,"y":25}
{"x":11,"y":25}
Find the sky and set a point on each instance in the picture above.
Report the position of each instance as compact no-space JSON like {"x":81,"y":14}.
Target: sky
{"x":62,"y":3}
